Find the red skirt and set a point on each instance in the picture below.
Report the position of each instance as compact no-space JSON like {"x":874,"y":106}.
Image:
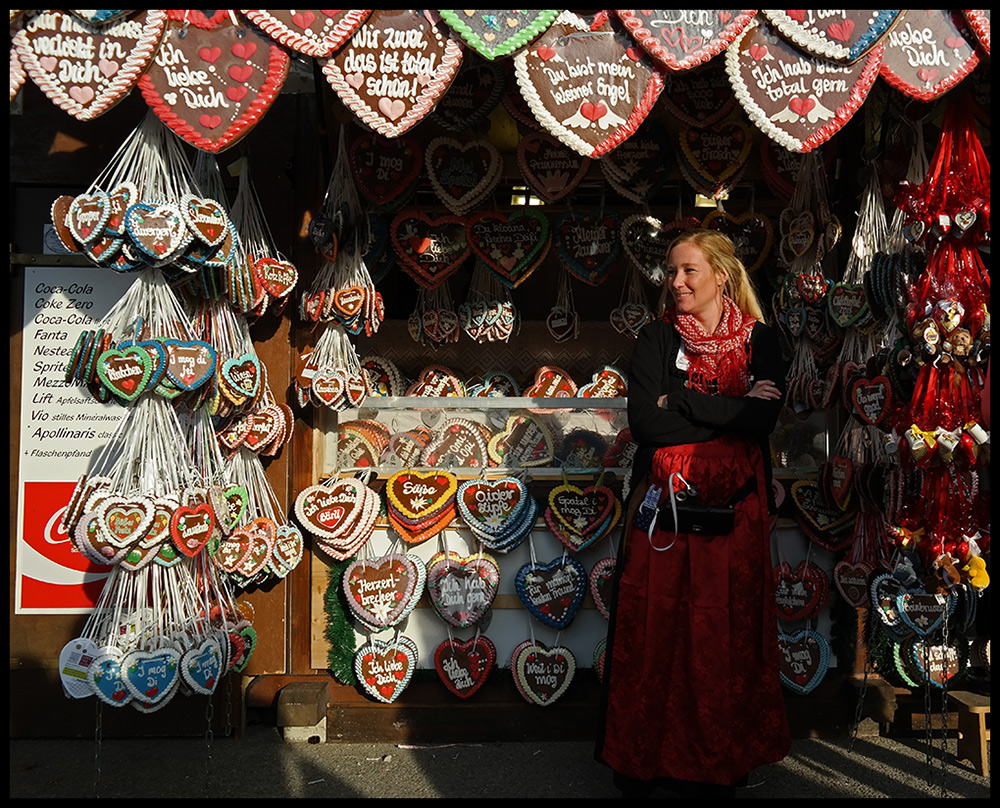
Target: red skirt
{"x":693,"y":686}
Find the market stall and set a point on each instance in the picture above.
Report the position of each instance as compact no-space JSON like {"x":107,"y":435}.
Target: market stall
{"x":326,"y":321}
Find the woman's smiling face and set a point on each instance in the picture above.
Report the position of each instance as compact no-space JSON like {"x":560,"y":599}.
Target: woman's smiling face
{"x":695,"y":287}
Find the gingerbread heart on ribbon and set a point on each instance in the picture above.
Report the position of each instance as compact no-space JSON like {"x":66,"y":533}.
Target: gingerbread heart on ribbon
{"x":314,"y":33}
{"x":812,"y":507}
{"x":420,"y":504}
{"x":640,"y":166}
{"x":394,"y":68}
{"x":601,"y":582}
{"x":106,"y":678}
{"x":872,"y":399}
{"x":557,"y":77}
{"x":472,"y":96}
{"x":839,"y":36}
{"x":498,"y":33}
{"x":681,"y":40}
{"x":805,"y":112}
{"x":126,"y":373}
{"x":458,"y":442}
{"x":524,"y":441}
{"x":588,"y":244}
{"x":751,"y":234}
{"x":579,"y":517}
{"x":927,"y":53}
{"x":462,"y":174}
{"x":213,"y":79}
{"x":201,"y":666}
{"x":542,"y":674}
{"x":152,"y":677}
{"x":552,"y":592}
{"x":712,"y":159}
{"x":341,"y":514}
{"x":646,"y":241}
{"x":490,"y":507}
{"x":800,"y":592}
{"x":510,"y":244}
{"x":923,"y":612}
{"x":85,"y":68}
{"x":381,"y":592}
{"x":461,"y":589}
{"x":463,"y":665}
{"x":384,"y":669}
{"x":385,"y":170}
{"x":803,"y":660}
{"x":551,"y":168}
{"x":851,"y":580}
{"x":700,"y":97}
{"x":430,"y":248}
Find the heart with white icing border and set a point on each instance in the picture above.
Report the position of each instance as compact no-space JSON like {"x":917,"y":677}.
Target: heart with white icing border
{"x":430,"y":248}
{"x":551,"y":168}
{"x":555,"y":77}
{"x":462,"y":588}
{"x":542,"y":674}
{"x":384,"y":669}
{"x":394,"y":68}
{"x":382,"y":591}
{"x":800,"y":114}
{"x":804,"y":658}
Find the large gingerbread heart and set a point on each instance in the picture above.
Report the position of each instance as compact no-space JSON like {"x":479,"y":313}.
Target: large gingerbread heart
{"x":86,"y":68}
{"x":588,"y":244}
{"x":806,"y":111}
{"x":590,"y":87}
{"x":498,"y":33}
{"x":524,"y":440}
{"x":385,"y":169}
{"x":462,"y":588}
{"x":384,"y":669}
{"x":212,"y":80}
{"x":314,"y":33}
{"x":463,"y":665}
{"x":510,"y":244}
{"x":430,"y":248}
{"x":394,"y":68}
{"x":152,"y":677}
{"x":838,"y":36}
{"x":551,"y":168}
{"x":542,"y":674}
{"x":415,"y":495}
{"x":927,"y":53}
{"x":681,"y":40}
{"x":712,"y":159}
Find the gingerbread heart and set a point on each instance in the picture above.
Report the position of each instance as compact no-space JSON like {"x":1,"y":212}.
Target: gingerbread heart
{"x":382,"y":591}
{"x":461,"y":589}
{"x":415,"y":495}
{"x":700,"y":97}
{"x":463,"y":665}
{"x":509,"y":244}
{"x":601,"y":582}
{"x":714,"y":157}
{"x":394,"y":69}
{"x":86,"y":68}
{"x":472,"y":96}
{"x":462,"y":174}
{"x":201,"y":666}
{"x":152,"y":677}
{"x":803,"y":113}
{"x":191,"y":527}
{"x":558,"y":78}
{"x":646,"y":241}
{"x":384,"y":669}
{"x":872,"y":399}
{"x":927,"y":53}
{"x":498,"y":33}
{"x":800,"y":592}
{"x":213,"y":79}
{"x":751,"y":234}
{"x":803,"y":660}
{"x":839,"y":36}
{"x":681,"y":40}
{"x":314,"y":33}
{"x":588,"y":244}
{"x":851,"y":580}
{"x":385,"y":169}
{"x":524,"y":441}
{"x":459,"y":442}
{"x":542,"y":674}
{"x":551,"y":168}
{"x":430,"y":248}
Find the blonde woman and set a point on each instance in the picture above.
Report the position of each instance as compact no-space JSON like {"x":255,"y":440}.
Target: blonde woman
{"x":693,"y":698}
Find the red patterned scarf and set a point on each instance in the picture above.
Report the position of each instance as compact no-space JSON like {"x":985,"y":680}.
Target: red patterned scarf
{"x":719,"y":362}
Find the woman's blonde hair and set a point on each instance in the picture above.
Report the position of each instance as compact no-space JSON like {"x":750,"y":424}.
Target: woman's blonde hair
{"x":720,"y":253}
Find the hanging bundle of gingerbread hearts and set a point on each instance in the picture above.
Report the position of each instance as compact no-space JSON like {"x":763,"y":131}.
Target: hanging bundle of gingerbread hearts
{"x":331,"y":374}
{"x":339,"y":514}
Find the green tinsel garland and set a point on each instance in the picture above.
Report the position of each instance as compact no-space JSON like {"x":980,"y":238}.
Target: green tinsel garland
{"x":339,"y":631}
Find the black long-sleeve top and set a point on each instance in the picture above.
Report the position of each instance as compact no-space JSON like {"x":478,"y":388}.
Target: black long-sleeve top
{"x":693,"y":417}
